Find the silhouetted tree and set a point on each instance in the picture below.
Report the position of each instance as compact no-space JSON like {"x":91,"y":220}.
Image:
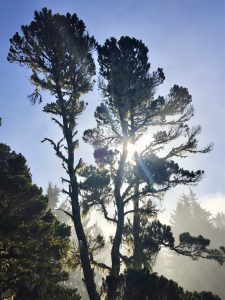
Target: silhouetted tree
{"x":140,"y":284}
{"x":58,"y":51}
{"x":129,"y":110}
{"x":33,"y":244}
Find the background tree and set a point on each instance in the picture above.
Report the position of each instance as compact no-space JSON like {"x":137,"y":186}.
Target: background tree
{"x":195,"y":275}
{"x":130,"y":115}
{"x":219,"y":222}
{"x":58,"y":50}
{"x":53,"y":193}
{"x":33,"y":243}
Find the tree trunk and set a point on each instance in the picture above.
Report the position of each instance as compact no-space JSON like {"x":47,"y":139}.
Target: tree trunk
{"x":136,"y":232}
{"x":74,"y":195}
{"x":115,"y":256}
{"x":137,"y":264}
{"x":113,"y":278}
{"x":83,"y":247}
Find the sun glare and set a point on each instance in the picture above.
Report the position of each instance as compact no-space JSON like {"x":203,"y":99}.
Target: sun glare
{"x":134,"y":148}
{"x":139,"y":146}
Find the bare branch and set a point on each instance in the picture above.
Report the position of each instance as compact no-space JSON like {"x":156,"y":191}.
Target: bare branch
{"x":100,"y":265}
{"x":66,"y":212}
{"x":105,"y":213}
{"x":66,"y":192}
{"x":56,"y":147}
{"x":65,"y":180}
{"x":79,"y":165}
{"x":57,"y":122}
{"x":146,"y":192}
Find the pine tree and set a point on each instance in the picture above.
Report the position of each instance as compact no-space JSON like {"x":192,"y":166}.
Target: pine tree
{"x":129,"y":113}
{"x":33,"y":243}
{"x":53,"y":193}
{"x":58,"y":50}
{"x":219,"y":220}
{"x":197,"y":221}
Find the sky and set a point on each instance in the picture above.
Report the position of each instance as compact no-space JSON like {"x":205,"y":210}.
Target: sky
{"x":185,"y":37}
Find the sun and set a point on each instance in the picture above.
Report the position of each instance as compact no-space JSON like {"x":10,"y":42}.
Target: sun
{"x":134,"y":148}
{"x":140,"y":146}
{"x":131,"y":149}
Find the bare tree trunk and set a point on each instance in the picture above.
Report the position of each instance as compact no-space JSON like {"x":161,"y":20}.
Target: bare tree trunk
{"x":137,"y":264}
{"x":113,"y":278}
{"x":83,"y":247}
{"x":136,"y":232}
{"x":74,"y":195}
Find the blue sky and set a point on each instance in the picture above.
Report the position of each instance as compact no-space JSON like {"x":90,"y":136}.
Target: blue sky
{"x":185,"y":38}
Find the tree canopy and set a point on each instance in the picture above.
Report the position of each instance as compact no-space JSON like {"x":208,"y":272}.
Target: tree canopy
{"x":33,"y":242}
{"x":130,"y":112}
{"x":58,"y":50}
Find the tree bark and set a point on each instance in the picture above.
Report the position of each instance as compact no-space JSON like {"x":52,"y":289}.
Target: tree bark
{"x":74,"y":195}
{"x":136,"y":233}
{"x":83,"y":247}
{"x":137,"y":263}
{"x":113,"y":278}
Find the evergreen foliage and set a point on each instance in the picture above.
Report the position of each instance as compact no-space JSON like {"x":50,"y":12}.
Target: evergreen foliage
{"x":33,"y":243}
{"x":129,"y":111}
{"x":58,"y":50}
{"x":143,"y":285}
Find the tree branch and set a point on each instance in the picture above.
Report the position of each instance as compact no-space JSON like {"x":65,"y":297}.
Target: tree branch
{"x":56,"y":147}
{"x":66,"y":212}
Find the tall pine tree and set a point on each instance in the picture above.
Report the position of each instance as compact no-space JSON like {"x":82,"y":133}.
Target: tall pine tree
{"x":131,"y":114}
{"x":58,"y":50}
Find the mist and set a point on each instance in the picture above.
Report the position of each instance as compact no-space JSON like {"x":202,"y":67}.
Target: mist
{"x":190,"y":216}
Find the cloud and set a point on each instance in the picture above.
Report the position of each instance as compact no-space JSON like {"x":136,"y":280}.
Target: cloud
{"x":213,"y":202}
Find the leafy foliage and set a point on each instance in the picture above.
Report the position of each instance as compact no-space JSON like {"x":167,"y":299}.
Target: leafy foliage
{"x":154,"y":236}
